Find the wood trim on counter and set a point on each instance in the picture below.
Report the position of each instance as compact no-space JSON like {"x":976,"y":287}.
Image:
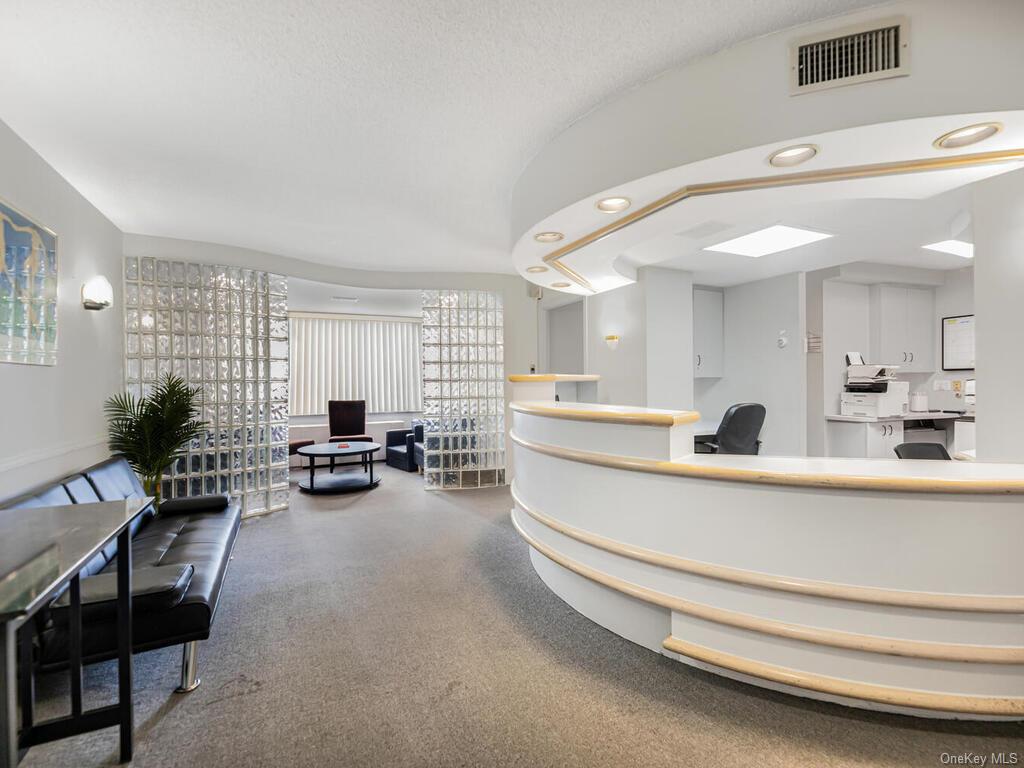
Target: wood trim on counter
{"x":1003,"y":706}
{"x":554,"y":259}
{"x":826,"y":589}
{"x":521,"y":377}
{"x":607,"y":414}
{"x":918,"y":649}
{"x":772,"y":477}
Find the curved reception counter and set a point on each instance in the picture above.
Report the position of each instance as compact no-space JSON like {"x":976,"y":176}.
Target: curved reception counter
{"x":889,"y":585}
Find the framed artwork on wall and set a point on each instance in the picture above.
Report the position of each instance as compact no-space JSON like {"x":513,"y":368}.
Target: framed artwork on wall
{"x":28,"y":290}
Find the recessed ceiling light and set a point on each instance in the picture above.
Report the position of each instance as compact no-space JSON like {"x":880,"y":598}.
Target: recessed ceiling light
{"x":548,"y":237}
{"x":960,"y":248}
{"x":536,"y":270}
{"x":970,"y":134}
{"x":561,"y":285}
{"x":789,"y":156}
{"x":613,"y":204}
{"x":770,"y":240}
{"x":344,"y":298}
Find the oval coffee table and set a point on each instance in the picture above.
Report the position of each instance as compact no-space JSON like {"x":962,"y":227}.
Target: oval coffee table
{"x":346,"y":482}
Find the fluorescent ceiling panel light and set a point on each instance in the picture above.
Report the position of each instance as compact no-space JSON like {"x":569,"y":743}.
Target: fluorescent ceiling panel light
{"x":959,"y":248}
{"x":769,"y":240}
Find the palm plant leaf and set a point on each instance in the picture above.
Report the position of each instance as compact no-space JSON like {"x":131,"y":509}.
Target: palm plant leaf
{"x":149,"y":432}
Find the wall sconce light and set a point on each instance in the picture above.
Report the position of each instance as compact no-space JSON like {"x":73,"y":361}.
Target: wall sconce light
{"x":612,"y":342}
{"x":97,"y":293}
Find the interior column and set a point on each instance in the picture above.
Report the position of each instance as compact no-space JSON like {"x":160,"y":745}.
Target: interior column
{"x":998,"y":221}
{"x":668,"y":322}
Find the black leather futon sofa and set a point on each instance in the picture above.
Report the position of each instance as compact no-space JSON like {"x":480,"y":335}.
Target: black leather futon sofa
{"x":179,"y":558}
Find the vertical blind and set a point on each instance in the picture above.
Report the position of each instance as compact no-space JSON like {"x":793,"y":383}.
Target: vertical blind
{"x":355,"y":358}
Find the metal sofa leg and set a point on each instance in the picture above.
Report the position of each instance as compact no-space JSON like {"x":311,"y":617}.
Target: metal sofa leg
{"x":189,"y":667}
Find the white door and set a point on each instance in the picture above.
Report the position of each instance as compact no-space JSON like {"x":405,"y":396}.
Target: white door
{"x":708,"y":334}
{"x":920,"y":330}
{"x":892,"y":320}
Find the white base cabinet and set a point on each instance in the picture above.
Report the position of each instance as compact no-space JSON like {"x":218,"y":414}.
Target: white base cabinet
{"x":864,"y":440}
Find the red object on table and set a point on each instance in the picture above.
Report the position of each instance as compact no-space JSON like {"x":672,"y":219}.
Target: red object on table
{"x":342,"y":445}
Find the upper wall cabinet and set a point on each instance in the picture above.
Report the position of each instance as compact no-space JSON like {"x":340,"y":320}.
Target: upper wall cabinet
{"x":902,"y":328}
{"x":708,"y":333}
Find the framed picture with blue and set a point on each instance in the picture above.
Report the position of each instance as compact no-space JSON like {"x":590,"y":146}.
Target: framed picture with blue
{"x":28,"y":290}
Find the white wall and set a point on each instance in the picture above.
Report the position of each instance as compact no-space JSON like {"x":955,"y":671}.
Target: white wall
{"x":998,"y":221}
{"x":566,"y":338}
{"x":53,"y":420}
{"x":954,"y":297}
{"x":846,"y":329}
{"x":756,"y":369}
{"x":668,"y":301}
{"x":620,"y":312}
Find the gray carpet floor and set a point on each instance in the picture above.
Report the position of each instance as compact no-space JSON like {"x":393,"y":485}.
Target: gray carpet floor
{"x":403,"y":628}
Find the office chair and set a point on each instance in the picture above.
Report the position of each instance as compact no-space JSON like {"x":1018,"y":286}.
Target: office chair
{"x":738,"y":431}
{"x":933,"y":451}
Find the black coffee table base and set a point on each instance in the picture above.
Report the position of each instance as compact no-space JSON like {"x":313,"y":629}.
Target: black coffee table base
{"x":347,"y":482}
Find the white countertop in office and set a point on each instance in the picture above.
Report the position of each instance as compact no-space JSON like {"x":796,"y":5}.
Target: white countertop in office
{"x":911,"y":416}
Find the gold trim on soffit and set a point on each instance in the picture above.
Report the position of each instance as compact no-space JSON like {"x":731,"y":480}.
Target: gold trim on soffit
{"x":848,"y":173}
{"x":833,"y":638}
{"x":774,"y":582}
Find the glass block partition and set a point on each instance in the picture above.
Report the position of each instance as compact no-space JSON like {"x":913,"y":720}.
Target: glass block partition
{"x":463,"y":389}
{"x":225,"y":330}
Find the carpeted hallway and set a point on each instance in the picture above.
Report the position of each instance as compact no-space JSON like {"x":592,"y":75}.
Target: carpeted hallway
{"x":400,"y":627}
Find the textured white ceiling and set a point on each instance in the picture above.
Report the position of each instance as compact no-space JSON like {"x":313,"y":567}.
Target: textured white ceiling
{"x":374,"y":134}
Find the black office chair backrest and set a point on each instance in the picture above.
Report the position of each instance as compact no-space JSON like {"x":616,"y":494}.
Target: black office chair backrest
{"x":922,"y":451}
{"x":740,"y":428}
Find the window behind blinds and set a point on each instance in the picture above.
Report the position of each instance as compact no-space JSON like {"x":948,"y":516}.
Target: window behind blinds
{"x":342,"y":357}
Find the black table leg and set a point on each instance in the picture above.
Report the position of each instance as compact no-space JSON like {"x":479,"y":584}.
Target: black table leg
{"x":124,"y":642}
{"x":26,"y":674}
{"x":370,"y":462}
{"x":312,"y":470}
{"x":75,"y":627}
{"x":8,"y":696}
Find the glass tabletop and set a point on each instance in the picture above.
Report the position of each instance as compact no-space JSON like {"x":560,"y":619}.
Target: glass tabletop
{"x":337,"y":449}
{"x":41,"y":547}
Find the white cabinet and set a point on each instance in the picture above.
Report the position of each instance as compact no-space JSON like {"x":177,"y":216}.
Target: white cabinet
{"x":708,"y":333}
{"x":902,"y":327}
{"x":864,"y":439}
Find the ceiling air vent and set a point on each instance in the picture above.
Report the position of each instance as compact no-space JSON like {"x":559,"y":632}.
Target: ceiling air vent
{"x":874,"y":51}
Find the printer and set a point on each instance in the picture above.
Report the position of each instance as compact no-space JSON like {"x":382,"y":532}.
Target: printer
{"x":872,"y":390}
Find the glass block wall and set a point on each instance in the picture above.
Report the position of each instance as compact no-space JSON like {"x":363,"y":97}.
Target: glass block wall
{"x":463,"y":389}
{"x":225,"y":330}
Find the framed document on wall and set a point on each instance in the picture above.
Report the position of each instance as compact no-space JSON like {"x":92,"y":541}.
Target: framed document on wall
{"x":958,"y":343}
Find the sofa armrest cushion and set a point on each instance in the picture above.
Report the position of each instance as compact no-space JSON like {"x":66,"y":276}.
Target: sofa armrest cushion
{"x":215,"y":502}
{"x":154,"y":588}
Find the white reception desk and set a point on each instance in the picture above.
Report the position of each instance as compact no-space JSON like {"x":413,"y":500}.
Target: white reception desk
{"x":891,"y":585}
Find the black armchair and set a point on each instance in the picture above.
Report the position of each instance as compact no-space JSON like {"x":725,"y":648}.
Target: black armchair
{"x":404,"y":448}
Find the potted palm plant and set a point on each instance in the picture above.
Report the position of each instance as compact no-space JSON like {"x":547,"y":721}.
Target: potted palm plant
{"x":151,"y":431}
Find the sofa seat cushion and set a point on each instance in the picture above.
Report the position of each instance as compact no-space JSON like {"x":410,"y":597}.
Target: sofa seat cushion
{"x":201,"y":540}
{"x":157,"y":588}
{"x":398,"y":450}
